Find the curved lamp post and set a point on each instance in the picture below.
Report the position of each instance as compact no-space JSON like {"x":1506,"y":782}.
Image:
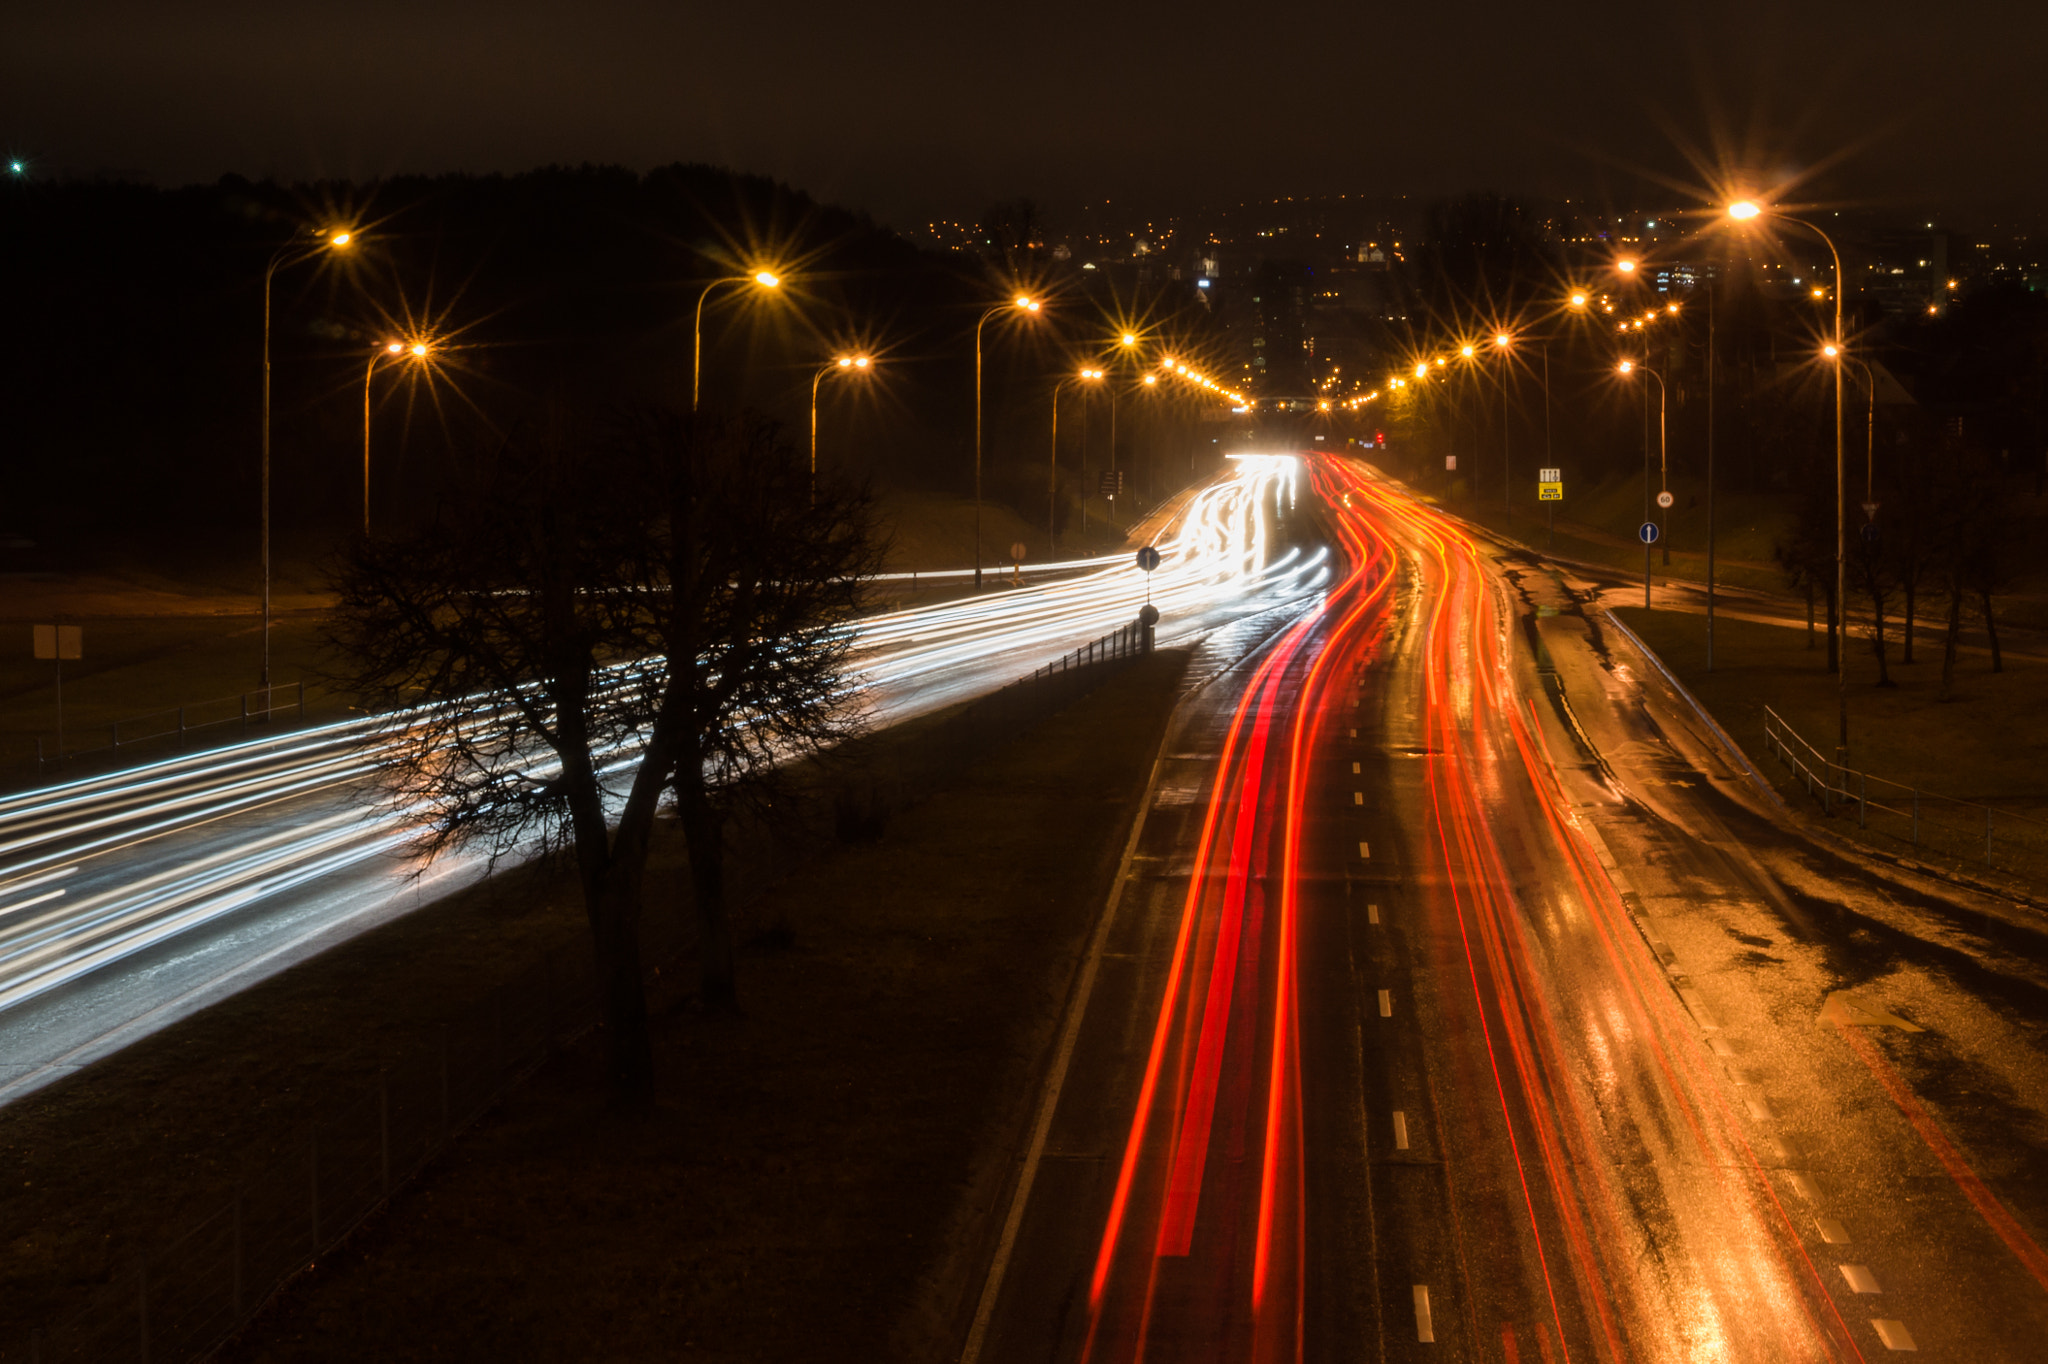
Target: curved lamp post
{"x":1626,"y":368}
{"x":291,"y":253}
{"x":1052,"y":485}
{"x":765,"y":278}
{"x":1023,"y":303}
{"x":1744,"y":211}
{"x":418,"y":350}
{"x":843,"y":364}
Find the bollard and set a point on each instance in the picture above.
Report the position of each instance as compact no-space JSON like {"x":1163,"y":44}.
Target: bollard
{"x":181,"y":722}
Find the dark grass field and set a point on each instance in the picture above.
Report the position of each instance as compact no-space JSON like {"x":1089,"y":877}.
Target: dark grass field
{"x":812,"y":1183}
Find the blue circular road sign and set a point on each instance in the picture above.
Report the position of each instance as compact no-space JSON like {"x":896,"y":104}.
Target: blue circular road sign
{"x":1647,"y":533}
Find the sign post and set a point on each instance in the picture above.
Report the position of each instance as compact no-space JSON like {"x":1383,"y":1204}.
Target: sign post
{"x":57,"y":643}
{"x":1550,"y":489}
{"x":1647,"y":533}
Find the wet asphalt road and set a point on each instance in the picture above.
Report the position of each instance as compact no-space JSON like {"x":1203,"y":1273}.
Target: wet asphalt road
{"x":1463,"y":1000}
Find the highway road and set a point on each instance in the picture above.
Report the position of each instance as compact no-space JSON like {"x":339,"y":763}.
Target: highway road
{"x":1461,"y":1000}
{"x":130,"y":900}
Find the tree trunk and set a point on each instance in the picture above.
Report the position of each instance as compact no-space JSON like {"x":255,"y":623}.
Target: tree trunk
{"x":1948,"y":643}
{"x":1877,"y":641}
{"x":1991,"y":633}
{"x":1906,"y":638}
{"x":704,"y":831}
{"x":615,"y":927}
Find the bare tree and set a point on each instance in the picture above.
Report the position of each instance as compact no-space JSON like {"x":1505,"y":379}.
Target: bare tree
{"x":523,"y":642}
{"x":761,"y":580}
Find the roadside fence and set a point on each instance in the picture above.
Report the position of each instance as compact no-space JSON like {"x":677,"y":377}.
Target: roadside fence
{"x":179,"y":724}
{"x":302,"y":1190}
{"x":1932,"y":824}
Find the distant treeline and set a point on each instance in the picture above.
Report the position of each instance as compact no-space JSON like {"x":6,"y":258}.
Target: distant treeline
{"x":133,"y":345}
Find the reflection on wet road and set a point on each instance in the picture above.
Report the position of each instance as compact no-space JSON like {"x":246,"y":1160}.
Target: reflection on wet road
{"x":1435,"y":1022}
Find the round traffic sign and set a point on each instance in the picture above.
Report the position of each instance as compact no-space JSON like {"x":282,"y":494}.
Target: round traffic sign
{"x":1017,"y":551}
{"x":1148,"y":614}
{"x":1665,"y":499}
{"x":1148,"y":558}
{"x":1647,"y":532}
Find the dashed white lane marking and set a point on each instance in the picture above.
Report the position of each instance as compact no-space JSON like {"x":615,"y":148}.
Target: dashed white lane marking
{"x":1425,"y":1329}
{"x":1759,"y":1108}
{"x":1386,"y":1004}
{"x":1354,"y":734}
{"x":1400,"y":1130}
{"x":1358,"y":797}
{"x":1356,"y":768}
{"x":1832,"y":1231}
{"x":1372,"y":914}
{"x":1804,"y":1187}
{"x":1861,"y":1280}
{"x":1364,"y":851}
{"x":1894,"y":1334}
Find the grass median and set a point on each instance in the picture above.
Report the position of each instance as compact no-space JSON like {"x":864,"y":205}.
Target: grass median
{"x":819,"y":1174}
{"x":1986,"y":744}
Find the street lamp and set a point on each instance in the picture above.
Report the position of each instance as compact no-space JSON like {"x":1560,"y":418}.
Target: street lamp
{"x":1501,"y":344}
{"x":844,"y":364}
{"x":1626,"y":368}
{"x":764,"y":278}
{"x":291,"y":253}
{"x":1023,"y":303}
{"x":1052,"y":464}
{"x":393,"y":350}
{"x":1743,"y":211}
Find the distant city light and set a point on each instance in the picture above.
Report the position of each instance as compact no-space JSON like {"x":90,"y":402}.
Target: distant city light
{"x":18,"y":167}
{"x":1199,"y":284}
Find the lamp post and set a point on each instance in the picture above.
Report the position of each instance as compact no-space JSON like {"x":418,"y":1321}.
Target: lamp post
{"x":1663,"y":467}
{"x":291,"y":253}
{"x":848,"y":364}
{"x":1743,"y":211}
{"x":766,"y":279}
{"x":1052,"y":464}
{"x":1501,"y":342}
{"x":418,"y":350}
{"x":1024,"y":303}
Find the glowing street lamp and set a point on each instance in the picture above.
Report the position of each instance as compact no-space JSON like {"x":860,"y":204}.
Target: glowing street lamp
{"x":1027,"y":305}
{"x":391,"y":350}
{"x":1626,"y":368}
{"x":843,"y":364}
{"x":291,"y":253}
{"x":1743,"y":211}
{"x":765,"y":279}
{"x":1579,"y":299}
{"x":1052,"y":493}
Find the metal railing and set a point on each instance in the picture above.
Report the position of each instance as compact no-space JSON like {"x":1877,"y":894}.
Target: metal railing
{"x":1889,"y":811}
{"x":303,"y":1190}
{"x":178,"y":723}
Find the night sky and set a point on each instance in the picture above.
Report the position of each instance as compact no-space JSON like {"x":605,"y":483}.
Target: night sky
{"x":916,"y":110}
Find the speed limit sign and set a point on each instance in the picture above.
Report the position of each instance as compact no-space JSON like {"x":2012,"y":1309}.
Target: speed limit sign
{"x":1665,"y":499}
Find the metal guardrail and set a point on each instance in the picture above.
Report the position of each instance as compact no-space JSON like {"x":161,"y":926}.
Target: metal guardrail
{"x":1947,"y":826}
{"x":299,"y":1193}
{"x":180,"y":722}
